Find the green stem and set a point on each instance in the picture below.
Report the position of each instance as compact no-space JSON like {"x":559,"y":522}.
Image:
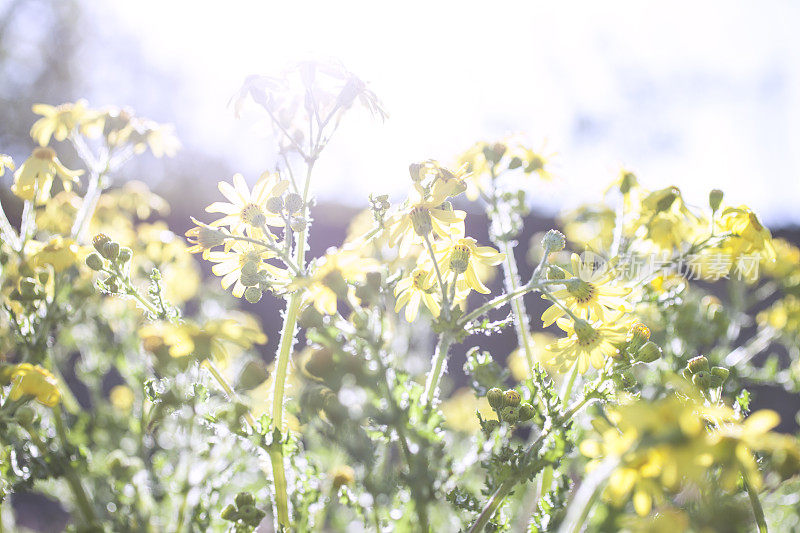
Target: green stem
{"x":445,"y":302}
{"x":74,"y":482}
{"x":521,"y":322}
{"x":758,"y":511}
{"x":435,"y":374}
{"x":491,"y":506}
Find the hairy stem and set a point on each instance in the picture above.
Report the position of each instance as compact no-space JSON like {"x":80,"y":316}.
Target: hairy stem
{"x":437,"y":365}
{"x":758,"y":511}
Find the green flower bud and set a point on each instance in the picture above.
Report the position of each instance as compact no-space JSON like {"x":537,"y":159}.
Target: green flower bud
{"x":718,"y":376}
{"x":125,"y":255}
{"x":495,"y":398}
{"x":510,"y":414}
{"x":637,"y":336}
{"x":526,"y":412}
{"x":415,"y":170}
{"x":554,"y":241}
{"x":112,"y":285}
{"x":511,"y":398}
{"x":99,"y":241}
{"x":698,"y":364}
{"x":275,"y":204}
{"x":702,"y":379}
{"x":244,"y":498}
{"x":250,"y":279}
{"x":515,"y":162}
{"x":556,"y":272}
{"x":298,"y":224}
{"x":229,"y":513}
{"x":293,"y":203}
{"x":252,"y":294}
{"x":110,"y":250}
{"x":715,"y":199}
{"x":649,"y":352}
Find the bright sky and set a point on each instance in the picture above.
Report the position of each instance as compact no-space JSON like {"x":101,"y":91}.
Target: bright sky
{"x":693,"y":94}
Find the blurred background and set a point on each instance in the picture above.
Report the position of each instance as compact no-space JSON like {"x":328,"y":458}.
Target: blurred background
{"x":693,"y":94}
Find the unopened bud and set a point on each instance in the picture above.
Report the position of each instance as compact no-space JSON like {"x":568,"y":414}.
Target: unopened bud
{"x":554,"y":241}
{"x":298,"y":224}
{"x":415,"y":170}
{"x":526,"y":412}
{"x":718,"y":376}
{"x":275,"y":204}
{"x":252,"y":294}
{"x":100,"y":241}
{"x":715,"y":199}
{"x":125,"y":255}
{"x":25,"y":415}
{"x":556,"y":272}
{"x":243,"y":499}
{"x":511,"y":398}
{"x":649,"y":352}
{"x":293,"y":203}
{"x":702,"y":379}
{"x":495,"y":398}
{"x":94,"y":261}
{"x":510,"y":414}
{"x":698,"y":364}
{"x":229,"y":513}
{"x":110,"y":250}
{"x":637,"y":336}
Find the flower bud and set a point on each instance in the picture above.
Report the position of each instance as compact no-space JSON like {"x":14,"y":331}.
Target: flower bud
{"x":100,"y":241}
{"x":715,"y":199}
{"x":229,"y":513}
{"x":421,"y":221}
{"x":275,"y":204}
{"x":554,"y":241}
{"x":638,"y":335}
{"x":415,"y":170}
{"x":111,"y":285}
{"x":702,"y":379}
{"x":718,"y":376}
{"x":627,"y":182}
{"x":125,"y":255}
{"x":495,"y":398}
{"x":243,"y":499}
{"x":490,"y":426}
{"x":698,"y":364}
{"x":649,"y":352}
{"x":110,"y":250}
{"x":250,"y":279}
{"x":294,"y":202}
{"x":526,"y":412}
{"x":515,"y":162}
{"x":252,"y":294}
{"x":298,"y":224}
{"x":94,"y":261}
{"x":511,"y":398}
{"x":510,"y":414}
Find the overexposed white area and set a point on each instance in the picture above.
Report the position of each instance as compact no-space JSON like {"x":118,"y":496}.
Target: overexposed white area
{"x":687,"y":93}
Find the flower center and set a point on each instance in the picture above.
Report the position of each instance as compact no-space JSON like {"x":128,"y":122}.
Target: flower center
{"x":418,"y":279}
{"x":459,"y":259}
{"x":536,"y":163}
{"x":421,"y":220}
{"x":45,"y":153}
{"x":253,"y":215}
{"x":582,"y":291}
{"x":586,"y":334}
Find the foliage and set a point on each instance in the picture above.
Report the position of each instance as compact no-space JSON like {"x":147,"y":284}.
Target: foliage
{"x":131,"y":393}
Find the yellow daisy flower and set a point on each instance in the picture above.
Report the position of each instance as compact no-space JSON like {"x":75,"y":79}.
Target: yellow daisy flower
{"x":749,"y":236}
{"x":415,"y":288}
{"x":246,"y":209}
{"x":30,"y":380}
{"x":330,"y":278}
{"x":37,"y":173}
{"x":591,"y":296}
{"x":427,"y":213}
{"x":585,"y":343}
{"x":59,"y":121}
{"x":245,"y":260}
{"x":463,"y":256}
